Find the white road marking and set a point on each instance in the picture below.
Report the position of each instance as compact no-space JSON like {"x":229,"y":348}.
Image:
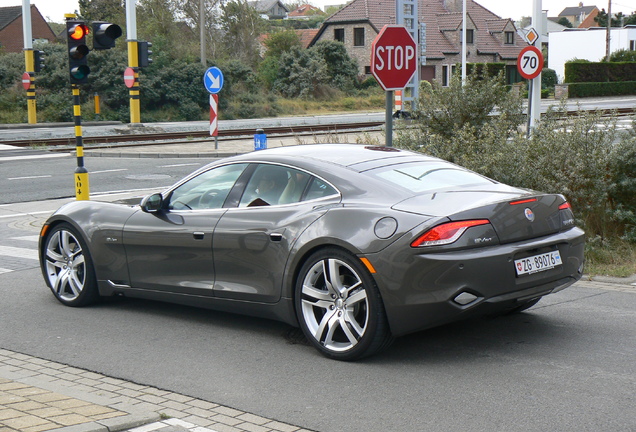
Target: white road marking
{"x":178,"y":165}
{"x":40,"y":156}
{"x":34,"y":238}
{"x":4,"y":270}
{"x":17,"y":252}
{"x":29,"y":177}
{"x":107,"y":171}
{"x":25,"y":214}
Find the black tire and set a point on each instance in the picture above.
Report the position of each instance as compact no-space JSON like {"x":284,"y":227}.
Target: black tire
{"x":67,"y":266}
{"x":339,"y":306}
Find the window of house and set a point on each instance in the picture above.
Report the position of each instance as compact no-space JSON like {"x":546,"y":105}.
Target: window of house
{"x":510,"y":37}
{"x":367,"y":70}
{"x":445,"y":76}
{"x":358,"y":36}
{"x":632,"y":45}
{"x":470,"y":36}
{"x":338,"y":35}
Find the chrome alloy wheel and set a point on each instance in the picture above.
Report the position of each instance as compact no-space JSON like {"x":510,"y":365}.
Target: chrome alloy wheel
{"x":65,"y":265}
{"x":335,"y":306}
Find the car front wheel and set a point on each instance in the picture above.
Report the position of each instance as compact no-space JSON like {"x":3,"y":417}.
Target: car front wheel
{"x":67,"y":267}
{"x":339,"y":307}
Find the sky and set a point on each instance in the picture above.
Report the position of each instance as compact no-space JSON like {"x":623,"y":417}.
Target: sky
{"x":515,"y":9}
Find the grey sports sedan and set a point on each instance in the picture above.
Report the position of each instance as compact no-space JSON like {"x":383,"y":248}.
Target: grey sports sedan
{"x":355,"y":244}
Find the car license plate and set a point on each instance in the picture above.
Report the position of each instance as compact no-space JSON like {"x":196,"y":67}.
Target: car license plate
{"x":538,"y":263}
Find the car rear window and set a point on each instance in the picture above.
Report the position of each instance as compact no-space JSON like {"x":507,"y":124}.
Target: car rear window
{"x":430,"y":176}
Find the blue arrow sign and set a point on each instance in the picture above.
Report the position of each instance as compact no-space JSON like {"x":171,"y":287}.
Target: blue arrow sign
{"x":213,"y":80}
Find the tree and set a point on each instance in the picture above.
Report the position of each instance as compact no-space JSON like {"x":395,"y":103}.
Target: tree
{"x":301,"y":73}
{"x":103,"y":10}
{"x":279,"y":42}
{"x":342,"y":70}
{"x":242,"y":26}
{"x":564,"y":22}
{"x":601,"y":19}
{"x":630,"y":19}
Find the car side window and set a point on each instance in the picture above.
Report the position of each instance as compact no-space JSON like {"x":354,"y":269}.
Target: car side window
{"x":318,"y":189}
{"x":274,"y":185}
{"x":207,"y":190}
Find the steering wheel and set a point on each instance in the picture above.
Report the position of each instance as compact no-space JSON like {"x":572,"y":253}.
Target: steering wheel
{"x":210,"y":199}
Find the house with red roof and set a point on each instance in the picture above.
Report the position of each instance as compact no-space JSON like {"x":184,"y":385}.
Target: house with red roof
{"x":489,"y":38}
{"x":11,"y":36}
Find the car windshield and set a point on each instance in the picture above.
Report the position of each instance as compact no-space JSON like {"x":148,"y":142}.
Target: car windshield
{"x":430,"y":176}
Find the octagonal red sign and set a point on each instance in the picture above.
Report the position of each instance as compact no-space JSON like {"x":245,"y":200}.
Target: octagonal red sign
{"x":393,"y":57}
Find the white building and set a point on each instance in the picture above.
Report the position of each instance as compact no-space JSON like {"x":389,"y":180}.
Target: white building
{"x":586,"y":44}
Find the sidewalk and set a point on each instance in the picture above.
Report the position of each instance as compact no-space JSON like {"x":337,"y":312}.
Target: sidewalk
{"x":37,"y":395}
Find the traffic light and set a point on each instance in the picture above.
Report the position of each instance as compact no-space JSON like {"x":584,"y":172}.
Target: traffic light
{"x":77,"y":51}
{"x":143,"y":54}
{"x":38,"y":60}
{"x":104,"y":35}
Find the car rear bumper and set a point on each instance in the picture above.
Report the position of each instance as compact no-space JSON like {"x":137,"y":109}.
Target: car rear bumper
{"x":429,"y":289}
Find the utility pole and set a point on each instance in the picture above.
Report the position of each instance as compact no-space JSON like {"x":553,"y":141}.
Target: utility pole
{"x":534,"y":110}
{"x":202,"y":31}
{"x":609,"y":27}
{"x":464,"y":44}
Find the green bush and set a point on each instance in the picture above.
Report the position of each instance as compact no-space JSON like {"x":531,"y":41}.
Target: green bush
{"x":602,"y":89}
{"x":586,"y":72}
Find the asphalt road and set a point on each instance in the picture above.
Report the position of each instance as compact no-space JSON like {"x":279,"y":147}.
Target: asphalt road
{"x":567,"y":364}
{"x":34,"y":177}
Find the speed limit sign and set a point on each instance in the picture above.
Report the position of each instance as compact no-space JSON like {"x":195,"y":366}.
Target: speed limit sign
{"x":530,"y":62}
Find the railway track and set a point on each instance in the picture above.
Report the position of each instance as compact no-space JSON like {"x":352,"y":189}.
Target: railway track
{"x":171,"y":137}
{"x":122,"y":140}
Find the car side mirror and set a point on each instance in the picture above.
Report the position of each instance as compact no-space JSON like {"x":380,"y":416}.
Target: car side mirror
{"x":152,"y":203}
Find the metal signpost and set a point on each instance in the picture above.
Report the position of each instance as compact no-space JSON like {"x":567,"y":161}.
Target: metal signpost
{"x":393,"y":64}
{"x":530,"y":65}
{"x":213,"y":82}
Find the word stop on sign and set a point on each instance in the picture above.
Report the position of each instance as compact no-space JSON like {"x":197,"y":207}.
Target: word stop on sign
{"x":394,"y":57}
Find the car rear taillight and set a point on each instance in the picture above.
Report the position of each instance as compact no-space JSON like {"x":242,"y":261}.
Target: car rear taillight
{"x":566,"y":205}
{"x":446,"y":233}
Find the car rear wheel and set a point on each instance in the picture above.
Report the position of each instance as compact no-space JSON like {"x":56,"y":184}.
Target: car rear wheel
{"x":68,"y":268}
{"x":339,"y":307}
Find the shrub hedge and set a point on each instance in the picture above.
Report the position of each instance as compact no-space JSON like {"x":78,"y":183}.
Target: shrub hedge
{"x":590,"y":89}
{"x":588,"y":72}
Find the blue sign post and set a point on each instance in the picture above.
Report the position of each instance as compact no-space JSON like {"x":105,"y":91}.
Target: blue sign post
{"x":213,"y":83}
{"x":213,"y":80}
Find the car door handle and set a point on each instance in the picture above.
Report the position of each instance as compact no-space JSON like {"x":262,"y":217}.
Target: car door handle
{"x":276,"y":237}
{"x":198,"y":235}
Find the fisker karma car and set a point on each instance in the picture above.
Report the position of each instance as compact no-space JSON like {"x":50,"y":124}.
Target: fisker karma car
{"x":354,"y":244}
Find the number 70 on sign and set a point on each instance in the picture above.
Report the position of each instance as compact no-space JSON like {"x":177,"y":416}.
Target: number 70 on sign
{"x":530,"y":62}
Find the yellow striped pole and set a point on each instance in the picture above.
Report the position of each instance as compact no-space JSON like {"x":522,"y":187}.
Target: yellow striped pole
{"x":30,"y":67}
{"x":133,"y":62}
{"x":81,"y":174}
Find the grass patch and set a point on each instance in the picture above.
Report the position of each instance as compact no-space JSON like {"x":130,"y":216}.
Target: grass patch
{"x":371,"y":101}
{"x":615,"y":258}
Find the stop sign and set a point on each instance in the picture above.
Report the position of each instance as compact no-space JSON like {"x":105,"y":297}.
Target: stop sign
{"x":393,"y":57}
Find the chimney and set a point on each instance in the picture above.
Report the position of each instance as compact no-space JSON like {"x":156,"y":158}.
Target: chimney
{"x":580,"y":4}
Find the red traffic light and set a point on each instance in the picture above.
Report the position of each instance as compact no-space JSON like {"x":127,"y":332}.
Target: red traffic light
{"x":78,"y":31}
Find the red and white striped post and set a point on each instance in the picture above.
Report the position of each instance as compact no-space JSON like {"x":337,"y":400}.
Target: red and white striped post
{"x":398,"y":100}
{"x":214,"y":123}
